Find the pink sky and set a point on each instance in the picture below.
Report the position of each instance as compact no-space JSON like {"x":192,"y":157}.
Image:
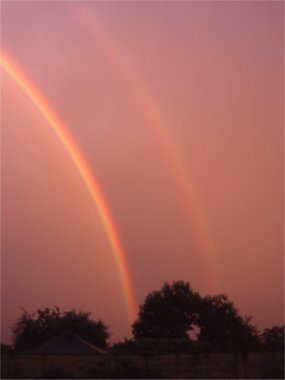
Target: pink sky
{"x":178,"y":108}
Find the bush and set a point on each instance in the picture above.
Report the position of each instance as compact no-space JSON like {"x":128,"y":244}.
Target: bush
{"x":161,"y":347}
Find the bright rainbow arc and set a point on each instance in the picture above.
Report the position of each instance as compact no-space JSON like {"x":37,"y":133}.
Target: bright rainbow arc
{"x":84,"y":170}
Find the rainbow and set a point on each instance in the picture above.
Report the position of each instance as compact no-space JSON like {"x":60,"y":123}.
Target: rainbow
{"x":74,"y":153}
{"x":166,"y":142}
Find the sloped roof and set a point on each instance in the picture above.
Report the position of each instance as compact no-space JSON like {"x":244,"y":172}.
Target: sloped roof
{"x":67,"y":343}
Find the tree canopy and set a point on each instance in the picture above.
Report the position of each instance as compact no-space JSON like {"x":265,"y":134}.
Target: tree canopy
{"x":221,"y":324}
{"x":273,"y":338}
{"x":164,"y":325}
{"x":168,"y":313}
{"x":176,"y":309}
{"x":34,"y":329}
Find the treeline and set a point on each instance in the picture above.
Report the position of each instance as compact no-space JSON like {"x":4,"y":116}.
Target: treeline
{"x":164,"y":325}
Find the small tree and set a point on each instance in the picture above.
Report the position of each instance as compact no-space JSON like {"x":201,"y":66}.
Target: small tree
{"x":32,"y":330}
{"x":168,"y":313}
{"x":273,"y":338}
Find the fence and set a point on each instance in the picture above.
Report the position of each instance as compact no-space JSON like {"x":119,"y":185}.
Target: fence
{"x":251,"y":365}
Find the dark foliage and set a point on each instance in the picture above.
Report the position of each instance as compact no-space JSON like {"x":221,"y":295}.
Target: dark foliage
{"x":32,"y":330}
{"x":160,"y":347}
{"x":168,"y":313}
{"x":273,"y":339}
{"x":221,"y":325}
{"x":174,"y":310}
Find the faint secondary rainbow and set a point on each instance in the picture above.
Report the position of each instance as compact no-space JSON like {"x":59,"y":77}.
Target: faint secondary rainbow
{"x":167,"y":144}
{"x":73,"y":151}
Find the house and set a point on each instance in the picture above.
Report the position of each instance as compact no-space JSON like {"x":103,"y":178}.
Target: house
{"x":67,"y":343}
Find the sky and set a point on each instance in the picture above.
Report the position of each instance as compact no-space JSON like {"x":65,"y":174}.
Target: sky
{"x":177,"y":108}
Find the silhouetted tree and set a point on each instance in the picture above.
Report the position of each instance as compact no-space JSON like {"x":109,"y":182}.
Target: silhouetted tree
{"x":221,"y":325}
{"x":176,"y":309}
{"x":273,"y":338}
{"x":168,"y":313}
{"x":32,"y":330}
